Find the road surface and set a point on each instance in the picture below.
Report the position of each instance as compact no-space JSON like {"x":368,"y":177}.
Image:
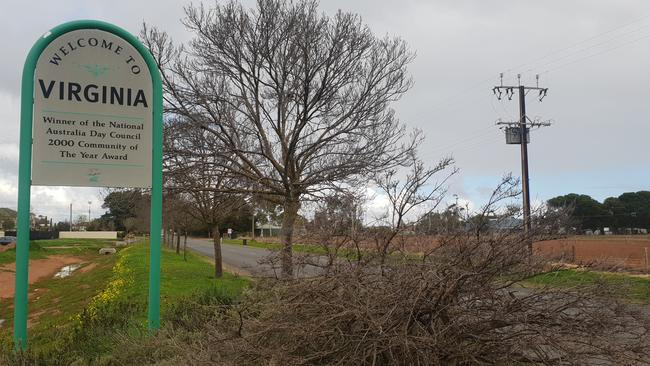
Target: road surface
{"x":244,"y":259}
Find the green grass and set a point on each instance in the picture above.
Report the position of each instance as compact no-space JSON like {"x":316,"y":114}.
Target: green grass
{"x":39,"y":249}
{"x":632,"y":288}
{"x":253,"y":243}
{"x":299,"y":248}
{"x":179,"y":278}
{"x":53,"y":301}
{"x":79,"y":316}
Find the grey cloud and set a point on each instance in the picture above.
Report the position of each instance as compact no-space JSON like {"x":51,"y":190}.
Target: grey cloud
{"x":597,"y":93}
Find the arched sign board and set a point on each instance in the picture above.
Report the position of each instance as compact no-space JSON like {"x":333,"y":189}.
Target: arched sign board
{"x":91,"y":115}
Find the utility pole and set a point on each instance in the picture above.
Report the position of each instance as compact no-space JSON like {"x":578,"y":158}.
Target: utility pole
{"x":522,"y":127}
{"x":70,"y":216}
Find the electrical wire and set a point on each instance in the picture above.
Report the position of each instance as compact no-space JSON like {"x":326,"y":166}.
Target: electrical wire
{"x":451,"y":100}
{"x":596,"y":54}
{"x":557,"y":51}
{"x":460,"y":96}
{"x":487,"y":144}
{"x":481,"y":133}
{"x":482,"y":143}
{"x":578,"y":52}
{"x":456,"y":97}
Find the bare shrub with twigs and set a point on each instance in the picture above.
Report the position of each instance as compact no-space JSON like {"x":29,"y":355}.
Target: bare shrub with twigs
{"x":459,"y":303}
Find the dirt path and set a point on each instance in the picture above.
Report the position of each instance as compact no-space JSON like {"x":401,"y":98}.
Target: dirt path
{"x":4,"y":248}
{"x":38,"y":269}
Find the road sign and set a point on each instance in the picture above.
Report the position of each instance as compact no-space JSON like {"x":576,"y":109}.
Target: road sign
{"x":92,"y":112}
{"x":91,"y":103}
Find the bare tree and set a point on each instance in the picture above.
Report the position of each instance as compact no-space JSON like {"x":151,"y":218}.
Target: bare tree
{"x":416,"y":191}
{"x":172,"y":213}
{"x":295,"y":99}
{"x":195,"y":173}
{"x":186,"y":220}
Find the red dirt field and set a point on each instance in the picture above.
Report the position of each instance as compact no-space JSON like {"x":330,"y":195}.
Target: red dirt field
{"x":625,"y":251}
{"x":632,"y":252}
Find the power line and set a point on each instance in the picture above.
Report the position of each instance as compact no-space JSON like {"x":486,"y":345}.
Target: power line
{"x":596,"y":54}
{"x":578,"y":52}
{"x":480,"y":145}
{"x":459,"y":95}
{"x":451,"y":99}
{"x":477,"y":134}
{"x":557,"y":51}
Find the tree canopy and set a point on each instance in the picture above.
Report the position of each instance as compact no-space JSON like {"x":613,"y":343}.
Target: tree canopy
{"x":125,"y":204}
{"x":293,"y":101}
{"x":629,"y":210}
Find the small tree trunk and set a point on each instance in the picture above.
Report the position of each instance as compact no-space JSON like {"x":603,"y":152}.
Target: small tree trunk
{"x":185,"y":247}
{"x":178,"y":243}
{"x":218,"y":266}
{"x":172,"y":226}
{"x":291,"y":207}
{"x":253,"y":227}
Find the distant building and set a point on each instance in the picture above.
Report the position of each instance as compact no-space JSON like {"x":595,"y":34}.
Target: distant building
{"x":40,"y":222}
{"x":263,"y":230}
{"x":495,"y":223}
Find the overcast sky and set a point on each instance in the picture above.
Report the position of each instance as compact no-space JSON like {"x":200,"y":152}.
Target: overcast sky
{"x":593,"y":56}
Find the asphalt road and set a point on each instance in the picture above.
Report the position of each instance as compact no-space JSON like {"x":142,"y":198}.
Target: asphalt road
{"x":247,"y":260}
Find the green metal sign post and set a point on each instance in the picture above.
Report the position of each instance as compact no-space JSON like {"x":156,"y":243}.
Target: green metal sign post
{"x":56,"y":169}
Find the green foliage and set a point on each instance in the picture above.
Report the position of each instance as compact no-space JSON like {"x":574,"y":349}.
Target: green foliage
{"x":629,"y":210}
{"x":193,"y":312}
{"x":7,"y":219}
{"x":8,"y":224}
{"x":7,"y":212}
{"x":586,"y":211}
{"x":126,"y":204}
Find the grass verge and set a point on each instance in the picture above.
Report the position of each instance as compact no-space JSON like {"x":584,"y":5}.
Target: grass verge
{"x":39,"y":249}
{"x":624,"y":286}
{"x":299,"y":248}
{"x":52,"y":301}
{"x":91,"y":309}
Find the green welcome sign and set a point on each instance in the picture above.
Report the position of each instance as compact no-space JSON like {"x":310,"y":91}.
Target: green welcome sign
{"x":91,"y":115}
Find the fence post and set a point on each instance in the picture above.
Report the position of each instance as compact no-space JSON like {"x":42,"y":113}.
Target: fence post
{"x":645,"y":250}
{"x":573,"y":254}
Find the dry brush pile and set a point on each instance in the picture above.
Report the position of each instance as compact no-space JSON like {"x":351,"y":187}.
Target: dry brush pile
{"x":458,"y":306}
{"x":461,"y":303}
